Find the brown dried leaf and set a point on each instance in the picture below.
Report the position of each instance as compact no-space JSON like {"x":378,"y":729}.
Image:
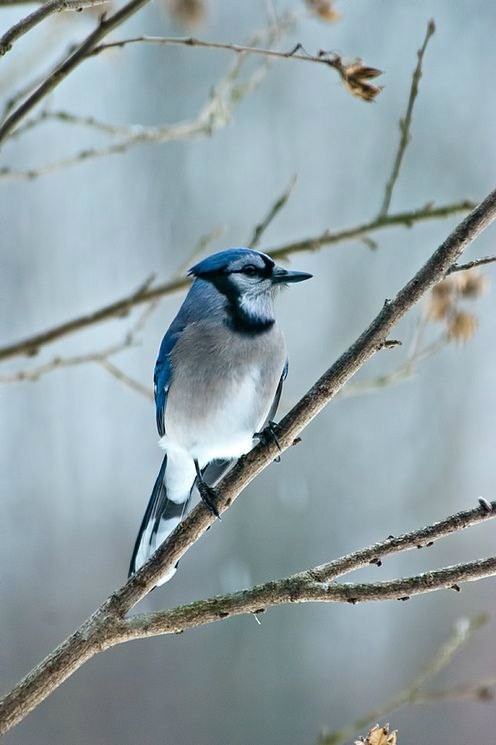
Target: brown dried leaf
{"x":379,"y":736}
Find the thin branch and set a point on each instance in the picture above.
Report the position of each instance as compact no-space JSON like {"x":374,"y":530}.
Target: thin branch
{"x":278,"y":205}
{"x":406,"y":122}
{"x":39,"y":15}
{"x":414,"y":692}
{"x":482,"y":691}
{"x":67,"y":117}
{"x":101,"y":357}
{"x":58,"y":363}
{"x":8,"y":3}
{"x":296,"y":590}
{"x":60,"y":72}
{"x":199,"y":250}
{"x":402,"y":373}
{"x":355,"y":75}
{"x":108,"y":625}
{"x":416,"y":539}
{"x":120,"y":375}
{"x":471,"y":264}
{"x":33,"y":344}
{"x":18,"y":96}
{"x":215,"y":114}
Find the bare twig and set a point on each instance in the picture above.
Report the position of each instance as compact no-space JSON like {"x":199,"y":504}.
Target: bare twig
{"x":39,"y":15}
{"x":7,"y":3}
{"x":483,"y":691}
{"x":406,"y":122}
{"x":109,"y":626}
{"x":215,"y":114}
{"x":198,"y":251}
{"x":119,"y":308}
{"x":58,"y":363}
{"x":60,"y":72}
{"x":471,"y":264}
{"x":132,"y":383}
{"x":400,"y":374}
{"x":413,"y":693}
{"x":278,"y":205}
{"x":68,"y":117}
{"x":355,"y":75}
{"x":296,"y":590}
{"x":101,"y":357}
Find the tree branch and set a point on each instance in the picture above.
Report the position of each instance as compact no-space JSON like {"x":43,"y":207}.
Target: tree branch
{"x":215,"y":114}
{"x":119,"y":308}
{"x":108,"y":625}
{"x":295,"y":589}
{"x":38,"y":15}
{"x":106,"y":628}
{"x":101,"y":357}
{"x":406,"y":122}
{"x":274,"y":210}
{"x":8,"y":3}
{"x":471,"y":264}
{"x":60,"y":72}
{"x":355,"y":75}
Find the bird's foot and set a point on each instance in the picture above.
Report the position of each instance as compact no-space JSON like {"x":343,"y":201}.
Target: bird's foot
{"x":269,"y":435}
{"x":209,"y":497}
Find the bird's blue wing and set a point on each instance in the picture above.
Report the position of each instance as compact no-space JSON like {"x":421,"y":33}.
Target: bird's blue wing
{"x":162,"y":376}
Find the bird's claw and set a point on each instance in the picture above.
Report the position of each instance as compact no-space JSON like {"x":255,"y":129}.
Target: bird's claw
{"x":209,"y":495}
{"x":268,"y":435}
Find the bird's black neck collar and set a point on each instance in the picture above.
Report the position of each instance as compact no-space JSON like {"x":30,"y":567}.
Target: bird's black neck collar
{"x":243,"y":322}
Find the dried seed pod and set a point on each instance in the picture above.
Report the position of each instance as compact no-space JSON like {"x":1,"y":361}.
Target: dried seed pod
{"x":187,"y":12}
{"x":439,"y":307}
{"x":324,"y":9}
{"x":446,"y":287}
{"x":379,"y":736}
{"x":472,"y":284}
{"x":462,"y":326}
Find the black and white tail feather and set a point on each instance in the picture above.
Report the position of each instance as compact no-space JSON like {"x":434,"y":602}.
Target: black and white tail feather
{"x":163,"y":515}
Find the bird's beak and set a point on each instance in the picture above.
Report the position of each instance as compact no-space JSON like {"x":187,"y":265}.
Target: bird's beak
{"x":282,"y":276}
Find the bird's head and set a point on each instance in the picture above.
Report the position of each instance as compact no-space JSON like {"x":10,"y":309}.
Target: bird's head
{"x":240,"y":271}
{"x":248,"y":279}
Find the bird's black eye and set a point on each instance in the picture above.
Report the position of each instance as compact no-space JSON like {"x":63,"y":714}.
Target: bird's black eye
{"x":250,"y":270}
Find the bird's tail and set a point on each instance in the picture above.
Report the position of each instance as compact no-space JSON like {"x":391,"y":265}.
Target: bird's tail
{"x":161,"y":517}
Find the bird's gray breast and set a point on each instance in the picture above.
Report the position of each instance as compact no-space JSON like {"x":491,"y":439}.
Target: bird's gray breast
{"x":222,"y":387}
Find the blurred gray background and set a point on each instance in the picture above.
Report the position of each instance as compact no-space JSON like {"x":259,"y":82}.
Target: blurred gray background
{"x":79,"y":453}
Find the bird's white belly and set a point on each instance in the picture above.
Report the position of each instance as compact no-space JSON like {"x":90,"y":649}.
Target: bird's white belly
{"x":226,"y":426}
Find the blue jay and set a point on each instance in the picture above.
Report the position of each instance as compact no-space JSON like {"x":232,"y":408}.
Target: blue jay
{"x":218,"y":380}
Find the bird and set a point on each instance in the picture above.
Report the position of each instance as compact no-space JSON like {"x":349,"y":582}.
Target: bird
{"x":217,"y":383}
